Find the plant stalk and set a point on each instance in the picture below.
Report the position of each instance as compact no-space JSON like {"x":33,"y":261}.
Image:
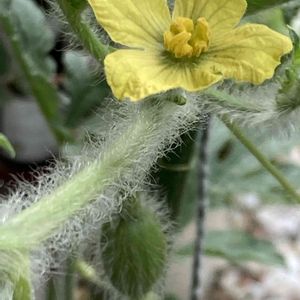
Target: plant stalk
{"x":83,"y":31}
{"x":262,"y":159}
{"x":196,"y":293}
{"x":24,"y":230}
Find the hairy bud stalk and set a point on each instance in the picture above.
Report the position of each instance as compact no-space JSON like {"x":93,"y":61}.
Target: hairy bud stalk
{"x":132,"y":147}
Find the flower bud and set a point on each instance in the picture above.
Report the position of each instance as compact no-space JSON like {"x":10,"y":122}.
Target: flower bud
{"x":135,"y":249}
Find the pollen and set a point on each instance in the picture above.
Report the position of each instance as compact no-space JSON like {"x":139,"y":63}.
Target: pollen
{"x":186,"y":38}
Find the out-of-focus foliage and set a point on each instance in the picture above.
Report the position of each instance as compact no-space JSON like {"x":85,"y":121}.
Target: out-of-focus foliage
{"x":258,"y":5}
{"x":29,"y":39}
{"x":237,"y":247}
{"x":6,"y":145}
{"x":67,"y":100}
{"x":84,"y":86}
{"x":4,"y":61}
{"x":35,"y":35}
{"x":235,"y":171}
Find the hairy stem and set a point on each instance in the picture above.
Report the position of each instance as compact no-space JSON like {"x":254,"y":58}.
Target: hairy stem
{"x":262,"y":159}
{"x":201,"y":212}
{"x":85,"y":34}
{"x":230,"y":102}
{"x":69,"y":279}
{"x":24,"y":231}
{"x":50,"y":290}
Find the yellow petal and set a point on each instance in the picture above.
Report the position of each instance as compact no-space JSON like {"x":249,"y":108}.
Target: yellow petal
{"x":134,"y":23}
{"x":249,"y":53}
{"x":137,"y":74}
{"x":221,"y":15}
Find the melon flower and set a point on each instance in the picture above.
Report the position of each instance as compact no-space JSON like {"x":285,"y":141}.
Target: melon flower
{"x":199,"y":45}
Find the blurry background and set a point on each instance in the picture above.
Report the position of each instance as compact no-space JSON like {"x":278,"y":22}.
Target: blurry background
{"x":252,"y":244}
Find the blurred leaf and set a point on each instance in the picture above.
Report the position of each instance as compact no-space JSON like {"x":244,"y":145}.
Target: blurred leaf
{"x":294,"y":37}
{"x":297,"y":57}
{"x":296,"y":52}
{"x":7,"y":146}
{"x":171,"y":297}
{"x":237,"y":247}
{"x":83,"y":85}
{"x":290,"y":11}
{"x":255,"y":6}
{"x":272,"y":17}
{"x":4,"y":60}
{"x":234,"y":171}
{"x":79,"y":4}
{"x":35,"y":35}
{"x":152,"y":296}
{"x":31,"y":39}
{"x":4,"y":5}
{"x":174,"y":170}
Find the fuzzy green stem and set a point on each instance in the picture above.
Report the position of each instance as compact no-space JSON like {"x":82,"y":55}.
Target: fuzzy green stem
{"x":50,"y":290}
{"x":15,"y":272}
{"x":23,"y":288}
{"x":262,"y":159}
{"x":24,"y":231}
{"x":41,"y":88}
{"x":87,"y":272}
{"x":69,"y":279}
{"x":54,"y":209}
{"x":85,"y":34}
{"x":230,"y":102}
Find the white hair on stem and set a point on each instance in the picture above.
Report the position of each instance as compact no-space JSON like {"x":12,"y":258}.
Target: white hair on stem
{"x":252,"y":106}
{"x":74,"y":198}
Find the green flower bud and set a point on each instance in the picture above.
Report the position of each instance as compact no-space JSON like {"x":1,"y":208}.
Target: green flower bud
{"x":135,"y":249}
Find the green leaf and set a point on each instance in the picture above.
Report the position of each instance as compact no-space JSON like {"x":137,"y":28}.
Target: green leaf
{"x":79,"y":4}
{"x":294,"y":37}
{"x":4,"y":5}
{"x":237,"y":247}
{"x":173,"y":173}
{"x":4,"y":60}
{"x":235,"y":171}
{"x":171,"y":297}
{"x":255,"y":6}
{"x":296,"y":43}
{"x":35,"y":35}
{"x":31,"y":39}
{"x":84,"y":87}
{"x":7,"y":146}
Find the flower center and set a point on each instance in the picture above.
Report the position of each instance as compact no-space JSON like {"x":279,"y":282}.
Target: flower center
{"x":186,"y":38}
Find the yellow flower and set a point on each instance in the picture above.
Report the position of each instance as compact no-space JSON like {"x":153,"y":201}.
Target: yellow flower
{"x":194,"y":48}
